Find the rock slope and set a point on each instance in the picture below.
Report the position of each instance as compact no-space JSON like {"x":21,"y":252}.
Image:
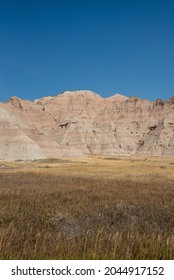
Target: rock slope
{"x":77,"y":123}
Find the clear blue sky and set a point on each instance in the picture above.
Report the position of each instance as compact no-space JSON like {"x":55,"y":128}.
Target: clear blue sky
{"x":106,"y":46}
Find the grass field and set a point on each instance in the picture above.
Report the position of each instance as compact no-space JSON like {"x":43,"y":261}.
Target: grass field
{"x":88,"y":208}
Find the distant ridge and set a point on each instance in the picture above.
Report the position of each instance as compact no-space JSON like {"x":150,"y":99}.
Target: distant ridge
{"x":79,"y":123}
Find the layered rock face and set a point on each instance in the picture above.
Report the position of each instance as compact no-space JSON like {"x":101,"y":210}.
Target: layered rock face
{"x":79,"y":123}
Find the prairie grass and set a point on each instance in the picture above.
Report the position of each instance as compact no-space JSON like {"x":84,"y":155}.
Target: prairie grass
{"x":88,"y":208}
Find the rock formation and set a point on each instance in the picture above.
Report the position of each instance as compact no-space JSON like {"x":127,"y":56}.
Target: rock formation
{"x":79,"y":123}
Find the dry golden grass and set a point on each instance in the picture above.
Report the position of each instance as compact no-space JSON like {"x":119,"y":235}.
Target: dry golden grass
{"x":88,"y":208}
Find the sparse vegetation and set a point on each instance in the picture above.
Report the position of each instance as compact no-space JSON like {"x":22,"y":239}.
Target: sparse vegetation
{"x":87,"y":209}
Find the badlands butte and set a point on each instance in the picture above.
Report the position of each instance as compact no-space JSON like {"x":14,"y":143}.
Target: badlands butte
{"x":79,"y":123}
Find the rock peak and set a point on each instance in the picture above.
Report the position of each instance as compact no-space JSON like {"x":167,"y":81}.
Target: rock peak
{"x":15,"y":101}
{"x":117,"y":97}
{"x":13,"y":98}
{"x":79,"y":92}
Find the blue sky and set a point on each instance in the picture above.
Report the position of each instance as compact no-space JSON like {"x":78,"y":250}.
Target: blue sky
{"x":107,"y":46}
